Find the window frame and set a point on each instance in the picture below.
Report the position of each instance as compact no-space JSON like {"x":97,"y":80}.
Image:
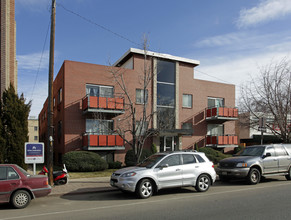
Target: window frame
{"x":185,"y":94}
{"x":143,"y":99}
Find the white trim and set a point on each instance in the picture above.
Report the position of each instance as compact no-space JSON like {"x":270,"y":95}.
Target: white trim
{"x":159,"y":55}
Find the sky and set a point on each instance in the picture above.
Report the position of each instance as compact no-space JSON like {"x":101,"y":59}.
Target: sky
{"x":232,"y":40}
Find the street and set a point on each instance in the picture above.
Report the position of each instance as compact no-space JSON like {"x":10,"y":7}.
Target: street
{"x":235,"y":200}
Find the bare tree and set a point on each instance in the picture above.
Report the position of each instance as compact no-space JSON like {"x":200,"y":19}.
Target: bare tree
{"x":269,"y":96}
{"x":137,"y":118}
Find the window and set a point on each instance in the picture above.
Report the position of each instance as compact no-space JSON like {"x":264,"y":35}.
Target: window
{"x":188,"y":159}
{"x":3,"y":171}
{"x":35,"y":138}
{"x":141,"y":127}
{"x":140,"y":97}
{"x":99,"y":91}
{"x":215,"y":130}
{"x":172,"y":160}
{"x":54,"y":102}
{"x":187,"y":101}
{"x":270,"y":150}
{"x":12,"y":175}
{"x":166,"y":118}
{"x":99,"y":126}
{"x":35,"y":128}
{"x":280,"y":151}
{"x":60,"y":95}
{"x":215,"y":102}
{"x":199,"y":158}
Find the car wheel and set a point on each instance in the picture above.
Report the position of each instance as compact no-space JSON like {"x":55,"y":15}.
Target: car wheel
{"x":288,"y":176}
{"x":145,"y":189}
{"x":20,"y":199}
{"x":203,"y":183}
{"x":254,"y":176}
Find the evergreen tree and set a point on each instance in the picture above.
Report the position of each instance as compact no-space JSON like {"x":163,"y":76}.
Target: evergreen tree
{"x":14,"y":115}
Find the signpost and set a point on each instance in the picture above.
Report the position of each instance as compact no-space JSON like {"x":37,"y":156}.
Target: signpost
{"x":33,"y":154}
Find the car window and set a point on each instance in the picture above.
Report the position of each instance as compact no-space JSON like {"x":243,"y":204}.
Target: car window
{"x":3,"y":171}
{"x":172,"y":160}
{"x":188,"y":158}
{"x":199,"y":158}
{"x":280,"y":151}
{"x":12,"y":175}
{"x":270,"y":150}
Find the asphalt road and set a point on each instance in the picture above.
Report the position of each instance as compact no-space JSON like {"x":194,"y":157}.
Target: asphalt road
{"x":270,"y":199}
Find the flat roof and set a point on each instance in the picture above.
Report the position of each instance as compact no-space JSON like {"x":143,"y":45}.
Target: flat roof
{"x":125,"y":56}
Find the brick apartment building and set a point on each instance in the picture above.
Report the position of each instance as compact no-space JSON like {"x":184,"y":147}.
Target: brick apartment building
{"x":8,"y":64}
{"x":89,"y":105}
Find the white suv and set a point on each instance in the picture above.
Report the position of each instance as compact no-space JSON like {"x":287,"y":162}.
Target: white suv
{"x":166,"y":170}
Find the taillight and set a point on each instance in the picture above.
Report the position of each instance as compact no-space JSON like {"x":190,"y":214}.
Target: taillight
{"x":212,"y":165}
{"x":46,"y":183}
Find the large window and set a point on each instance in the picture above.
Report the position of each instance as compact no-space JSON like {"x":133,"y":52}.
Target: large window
{"x":99,"y":91}
{"x":140,"y":97}
{"x":141,"y":127}
{"x":166,"y":94}
{"x":215,"y":102}
{"x":99,"y":126}
{"x":215,"y":130}
{"x":187,"y":101}
{"x":60,"y":95}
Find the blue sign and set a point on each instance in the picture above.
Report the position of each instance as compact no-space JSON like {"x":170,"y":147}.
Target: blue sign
{"x":34,"y":153}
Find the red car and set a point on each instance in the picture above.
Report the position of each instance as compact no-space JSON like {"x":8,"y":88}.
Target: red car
{"x":18,"y":187}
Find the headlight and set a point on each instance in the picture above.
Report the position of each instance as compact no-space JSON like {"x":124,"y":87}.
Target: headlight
{"x":128,"y":174}
{"x":241,"y":165}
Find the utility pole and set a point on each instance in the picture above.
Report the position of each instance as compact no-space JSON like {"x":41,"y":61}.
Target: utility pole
{"x":50,"y":149}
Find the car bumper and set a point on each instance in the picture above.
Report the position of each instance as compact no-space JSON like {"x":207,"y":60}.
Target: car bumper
{"x":41,"y":192}
{"x":126,"y":184}
{"x":236,"y":172}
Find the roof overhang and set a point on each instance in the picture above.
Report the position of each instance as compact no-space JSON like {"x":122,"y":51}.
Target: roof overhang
{"x":126,"y":56}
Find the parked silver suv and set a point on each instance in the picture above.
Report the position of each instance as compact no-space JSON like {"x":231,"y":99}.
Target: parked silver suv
{"x":166,"y":170}
{"x":256,"y":161}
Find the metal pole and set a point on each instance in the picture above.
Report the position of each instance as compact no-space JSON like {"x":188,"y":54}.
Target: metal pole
{"x":50,"y":96}
{"x":262,"y":137}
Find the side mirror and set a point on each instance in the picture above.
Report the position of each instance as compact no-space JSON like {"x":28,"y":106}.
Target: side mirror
{"x":267,"y":155}
{"x":164,"y":166}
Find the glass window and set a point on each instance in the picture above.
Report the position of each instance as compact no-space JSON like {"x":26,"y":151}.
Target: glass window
{"x":166,"y":118}
{"x":3,"y":171}
{"x":35,"y":138}
{"x":140,"y":97}
{"x":99,"y":91}
{"x":280,"y":151}
{"x":215,"y":102}
{"x":166,"y":71}
{"x":215,"y":130}
{"x":187,"y":101}
{"x":99,"y":126}
{"x":172,"y":160}
{"x":188,"y":158}
{"x":60,"y":95}
{"x":270,"y":150}
{"x":165,"y":94}
{"x":12,"y":175}
{"x":35,"y":128}
{"x":199,"y":158}
{"x":141,"y":127}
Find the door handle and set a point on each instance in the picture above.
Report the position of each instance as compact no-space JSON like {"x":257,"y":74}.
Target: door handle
{"x":178,"y":169}
{"x":196,"y":166}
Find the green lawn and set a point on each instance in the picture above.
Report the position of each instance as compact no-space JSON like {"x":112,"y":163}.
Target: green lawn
{"x":105,"y":173}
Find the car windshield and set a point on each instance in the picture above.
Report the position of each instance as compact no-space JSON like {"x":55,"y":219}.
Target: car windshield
{"x":251,"y":151}
{"x":23,"y":171}
{"x":151,"y":161}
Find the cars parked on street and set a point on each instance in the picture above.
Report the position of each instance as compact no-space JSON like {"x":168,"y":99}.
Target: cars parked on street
{"x":255,"y":162}
{"x":18,"y":187}
{"x":166,"y":170}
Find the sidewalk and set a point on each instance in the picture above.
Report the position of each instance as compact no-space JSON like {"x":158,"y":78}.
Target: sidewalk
{"x":83,"y":185}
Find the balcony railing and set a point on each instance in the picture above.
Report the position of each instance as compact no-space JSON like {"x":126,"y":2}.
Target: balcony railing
{"x":221,"y":140}
{"x":221,"y":113}
{"x":102,"y":142}
{"x":103,"y":104}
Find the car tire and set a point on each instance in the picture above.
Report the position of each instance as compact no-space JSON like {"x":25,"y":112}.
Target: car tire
{"x":145,"y":189}
{"x":203,"y":183}
{"x":20,"y":199}
{"x":254,"y":176}
{"x":288,"y":176}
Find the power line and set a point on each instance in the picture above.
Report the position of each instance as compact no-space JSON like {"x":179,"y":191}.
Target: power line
{"x":98,"y":25}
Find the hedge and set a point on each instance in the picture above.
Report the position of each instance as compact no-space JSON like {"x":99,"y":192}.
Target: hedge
{"x":214,"y":155}
{"x":84,"y":161}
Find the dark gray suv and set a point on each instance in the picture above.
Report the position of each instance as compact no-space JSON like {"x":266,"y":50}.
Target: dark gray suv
{"x":256,"y":161}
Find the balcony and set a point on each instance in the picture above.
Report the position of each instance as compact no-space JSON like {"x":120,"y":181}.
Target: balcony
{"x":221,"y":114}
{"x":221,"y":141}
{"x":102,"y":104}
{"x":102,"y":142}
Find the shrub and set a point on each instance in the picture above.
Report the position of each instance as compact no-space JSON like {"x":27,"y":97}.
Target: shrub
{"x":154,"y":149}
{"x":130,"y":158}
{"x":84,"y":161}
{"x":214,"y":155}
{"x":114,"y":165}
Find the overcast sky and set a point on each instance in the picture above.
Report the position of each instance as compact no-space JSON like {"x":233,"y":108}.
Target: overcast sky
{"x":232,"y":39}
